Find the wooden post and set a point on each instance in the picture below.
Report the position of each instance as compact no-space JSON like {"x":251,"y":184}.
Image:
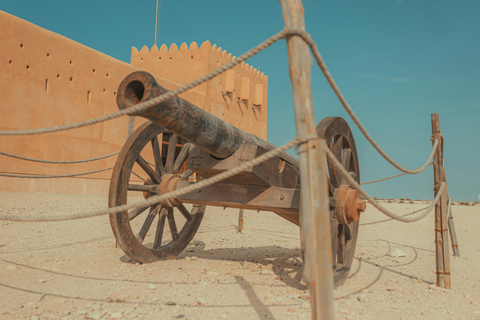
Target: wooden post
{"x":240,"y":221}
{"x":441,"y":210}
{"x":314,"y":207}
{"x":451,"y":228}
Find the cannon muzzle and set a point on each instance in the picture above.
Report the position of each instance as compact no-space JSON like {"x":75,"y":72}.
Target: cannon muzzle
{"x":215,"y":136}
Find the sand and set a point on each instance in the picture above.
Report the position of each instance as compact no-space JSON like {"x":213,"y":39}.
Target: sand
{"x":72,"y":270}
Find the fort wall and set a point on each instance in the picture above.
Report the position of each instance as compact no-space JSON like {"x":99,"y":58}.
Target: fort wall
{"x":48,"y":80}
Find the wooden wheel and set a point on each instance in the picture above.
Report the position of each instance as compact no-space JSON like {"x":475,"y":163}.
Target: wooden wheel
{"x":149,"y":160}
{"x":344,"y":230}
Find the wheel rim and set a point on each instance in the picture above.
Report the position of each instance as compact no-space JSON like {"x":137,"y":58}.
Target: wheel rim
{"x":142,"y":233}
{"x":340,"y":140}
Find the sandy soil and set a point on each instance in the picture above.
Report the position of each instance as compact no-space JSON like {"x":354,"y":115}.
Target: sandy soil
{"x":72,"y":270}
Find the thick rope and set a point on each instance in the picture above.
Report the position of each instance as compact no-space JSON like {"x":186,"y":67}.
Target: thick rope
{"x":35,"y":176}
{"x":388,"y":213}
{"x":57,"y":162}
{"x":227,"y":174}
{"x":158,"y":198}
{"x":282,"y":34}
{"x":150,"y":103}
{"x":144,"y":105}
{"x":318,"y":57}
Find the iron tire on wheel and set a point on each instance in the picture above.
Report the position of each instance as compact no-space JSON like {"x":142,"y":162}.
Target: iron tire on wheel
{"x":340,"y":141}
{"x":123,"y":184}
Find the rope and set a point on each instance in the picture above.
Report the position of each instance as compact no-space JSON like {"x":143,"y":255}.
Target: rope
{"x":388,"y":213}
{"x":57,"y":162}
{"x":405,"y":215}
{"x":318,"y":57}
{"x":34,"y":176}
{"x":139,"y":176}
{"x":147,"y":104}
{"x":396,"y":176}
{"x":158,"y":198}
{"x":144,"y":105}
{"x":227,"y":174}
{"x":282,"y":34}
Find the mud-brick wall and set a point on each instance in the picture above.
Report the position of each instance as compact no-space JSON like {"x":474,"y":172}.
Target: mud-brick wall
{"x":239,"y":96}
{"x":47,"y":80}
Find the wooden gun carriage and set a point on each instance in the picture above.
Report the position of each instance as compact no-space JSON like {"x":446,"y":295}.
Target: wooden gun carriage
{"x":182,"y":143}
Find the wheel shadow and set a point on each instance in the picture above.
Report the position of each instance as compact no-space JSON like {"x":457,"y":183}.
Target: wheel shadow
{"x":286,"y":263}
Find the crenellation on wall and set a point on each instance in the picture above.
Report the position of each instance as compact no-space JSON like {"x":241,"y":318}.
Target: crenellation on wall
{"x":186,"y":63}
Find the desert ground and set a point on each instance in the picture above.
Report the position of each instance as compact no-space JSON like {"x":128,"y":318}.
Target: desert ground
{"x":72,"y":269}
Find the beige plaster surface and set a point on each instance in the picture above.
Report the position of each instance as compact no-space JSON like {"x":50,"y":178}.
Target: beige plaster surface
{"x":72,"y":270}
{"x":48,"y":80}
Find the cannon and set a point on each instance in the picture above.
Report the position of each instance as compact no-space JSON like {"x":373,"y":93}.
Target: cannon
{"x":181,"y":144}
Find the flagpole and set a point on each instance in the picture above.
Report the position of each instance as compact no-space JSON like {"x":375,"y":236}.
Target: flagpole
{"x":156,"y":24}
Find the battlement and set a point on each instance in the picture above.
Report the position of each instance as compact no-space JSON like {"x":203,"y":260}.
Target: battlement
{"x":157,"y":57}
{"x":239,"y":95}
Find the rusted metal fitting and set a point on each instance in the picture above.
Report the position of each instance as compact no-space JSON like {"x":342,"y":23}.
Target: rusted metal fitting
{"x":168,"y":184}
{"x":349,"y":205}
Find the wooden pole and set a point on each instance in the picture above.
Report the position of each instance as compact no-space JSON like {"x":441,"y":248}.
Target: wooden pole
{"x":314,"y":207}
{"x":240,"y":221}
{"x":441,"y":210}
{"x":451,"y":228}
{"x":156,"y":24}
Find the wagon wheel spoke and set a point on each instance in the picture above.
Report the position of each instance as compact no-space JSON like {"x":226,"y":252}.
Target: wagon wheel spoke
{"x":340,"y":140}
{"x":337,"y":151}
{"x":172,"y":144}
{"x":332,"y":202}
{"x":172,"y":224}
{"x":348,"y":233}
{"x":334,"y":235}
{"x":186,"y":174}
{"x":160,"y":227}
{"x":181,"y":157}
{"x":341,"y":245}
{"x":148,"y":222}
{"x":331,"y":170}
{"x":143,"y":187}
{"x":145,"y":238}
{"x":331,"y":188}
{"x":136,"y":212}
{"x":146,"y":167}
{"x":346,"y":160}
{"x":185,"y":212}
{"x":159,"y":168}
{"x":337,"y":147}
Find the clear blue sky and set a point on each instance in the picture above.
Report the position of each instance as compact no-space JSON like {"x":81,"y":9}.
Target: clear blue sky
{"x":396,"y":61}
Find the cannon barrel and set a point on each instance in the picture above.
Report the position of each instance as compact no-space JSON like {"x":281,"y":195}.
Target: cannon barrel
{"x":215,"y":136}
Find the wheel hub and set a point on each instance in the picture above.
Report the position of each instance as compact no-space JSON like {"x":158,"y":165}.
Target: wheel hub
{"x":168,"y":184}
{"x":349,"y":204}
